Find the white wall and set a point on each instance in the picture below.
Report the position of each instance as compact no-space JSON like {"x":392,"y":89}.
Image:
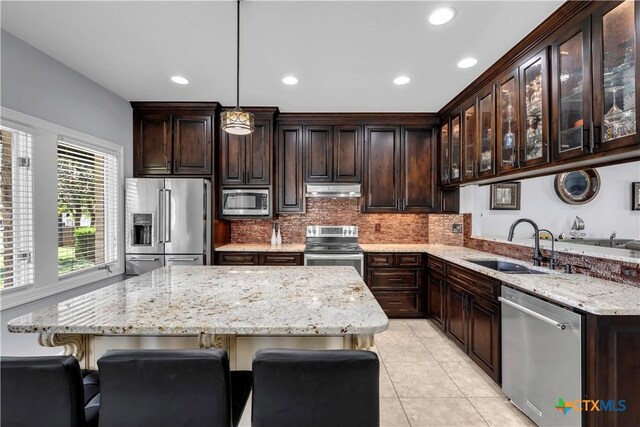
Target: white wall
{"x":33,"y":83}
{"x":609,"y":211}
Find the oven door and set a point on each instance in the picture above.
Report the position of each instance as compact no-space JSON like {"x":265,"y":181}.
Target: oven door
{"x":342,"y":260}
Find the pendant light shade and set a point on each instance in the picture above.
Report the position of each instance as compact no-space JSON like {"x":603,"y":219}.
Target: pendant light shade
{"x":236,"y":121}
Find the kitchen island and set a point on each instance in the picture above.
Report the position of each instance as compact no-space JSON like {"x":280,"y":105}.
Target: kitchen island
{"x":239,"y":309}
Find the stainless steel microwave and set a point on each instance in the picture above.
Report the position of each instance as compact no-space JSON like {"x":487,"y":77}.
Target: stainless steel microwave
{"x":246,"y":202}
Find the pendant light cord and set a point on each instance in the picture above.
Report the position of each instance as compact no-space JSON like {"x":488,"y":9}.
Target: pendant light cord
{"x":238,"y":56}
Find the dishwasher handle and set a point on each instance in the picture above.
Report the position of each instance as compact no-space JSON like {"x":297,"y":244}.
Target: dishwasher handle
{"x":559,"y":325}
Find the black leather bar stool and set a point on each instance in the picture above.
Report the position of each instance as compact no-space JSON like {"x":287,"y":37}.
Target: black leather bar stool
{"x":293,"y":388}
{"x":171,"y":388}
{"x":48,"y":391}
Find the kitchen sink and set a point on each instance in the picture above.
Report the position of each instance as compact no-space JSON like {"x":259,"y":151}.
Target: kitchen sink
{"x":505,"y":266}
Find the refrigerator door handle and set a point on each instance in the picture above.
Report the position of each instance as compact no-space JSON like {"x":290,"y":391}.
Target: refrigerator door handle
{"x":167,"y":215}
{"x":160,"y":219}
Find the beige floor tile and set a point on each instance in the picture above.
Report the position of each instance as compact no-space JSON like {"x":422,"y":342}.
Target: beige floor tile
{"x":393,"y":349}
{"x":423,"y":328}
{"x":499,"y":412}
{"x":386,"y":386}
{"x":397,"y":329}
{"x":421,"y":379}
{"x":444,"y":350}
{"x":392,"y":414}
{"x":442,"y":412}
{"x":470,"y":380}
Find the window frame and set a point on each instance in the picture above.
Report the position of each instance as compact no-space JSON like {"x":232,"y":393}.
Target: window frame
{"x":46,"y":281}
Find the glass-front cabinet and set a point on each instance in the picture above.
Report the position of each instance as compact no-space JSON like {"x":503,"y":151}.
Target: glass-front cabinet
{"x":615,"y":29}
{"x":455,"y":149}
{"x":445,"y":154}
{"x":508,"y":122}
{"x":534,"y":141}
{"x":470,"y":144}
{"x":486,"y":125}
{"x":571,"y":70}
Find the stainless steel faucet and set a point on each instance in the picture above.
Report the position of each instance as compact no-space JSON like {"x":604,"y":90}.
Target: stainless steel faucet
{"x":537,"y":255}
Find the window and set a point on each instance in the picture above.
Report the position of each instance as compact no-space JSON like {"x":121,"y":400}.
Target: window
{"x":16,"y":209}
{"x":87,"y":207}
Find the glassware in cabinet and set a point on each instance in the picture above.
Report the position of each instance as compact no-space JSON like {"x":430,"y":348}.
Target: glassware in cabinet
{"x":615,"y":91}
{"x":533,"y":77}
{"x":470,"y":142}
{"x":455,"y":148}
{"x":507,"y":91}
{"x":445,"y":158}
{"x":487,"y":135}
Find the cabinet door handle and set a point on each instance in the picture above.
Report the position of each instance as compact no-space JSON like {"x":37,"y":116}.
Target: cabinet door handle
{"x":395,"y":279}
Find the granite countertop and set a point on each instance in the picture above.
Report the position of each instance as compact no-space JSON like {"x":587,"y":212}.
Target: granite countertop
{"x":258,"y":247}
{"x":243,"y":300}
{"x":586,"y":293}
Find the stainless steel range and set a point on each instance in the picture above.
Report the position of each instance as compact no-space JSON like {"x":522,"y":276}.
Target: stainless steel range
{"x":334,"y":245}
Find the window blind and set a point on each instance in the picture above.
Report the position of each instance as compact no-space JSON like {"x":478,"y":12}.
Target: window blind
{"x":87,"y":207}
{"x":16,"y":208}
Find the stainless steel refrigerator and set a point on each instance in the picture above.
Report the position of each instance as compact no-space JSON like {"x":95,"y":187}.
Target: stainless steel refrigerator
{"x":168,"y":222}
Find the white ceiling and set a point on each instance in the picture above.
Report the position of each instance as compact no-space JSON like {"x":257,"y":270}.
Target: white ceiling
{"x":345,"y":54}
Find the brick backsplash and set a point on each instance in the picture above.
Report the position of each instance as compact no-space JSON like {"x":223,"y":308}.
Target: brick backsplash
{"x":394,"y":228}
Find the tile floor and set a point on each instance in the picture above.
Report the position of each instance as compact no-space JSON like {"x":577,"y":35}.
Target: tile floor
{"x":426,"y":380}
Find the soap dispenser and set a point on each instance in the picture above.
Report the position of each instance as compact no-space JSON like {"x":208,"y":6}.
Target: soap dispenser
{"x":274,"y":239}
{"x":279,"y":238}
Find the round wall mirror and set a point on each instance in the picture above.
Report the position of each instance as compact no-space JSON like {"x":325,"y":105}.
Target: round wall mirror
{"x":577,"y":187}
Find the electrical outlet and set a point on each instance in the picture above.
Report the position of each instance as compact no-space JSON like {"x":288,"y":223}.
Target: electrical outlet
{"x":378,"y":228}
{"x":456,"y":228}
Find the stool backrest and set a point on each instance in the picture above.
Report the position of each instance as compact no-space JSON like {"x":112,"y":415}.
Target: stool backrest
{"x":315,"y":388}
{"x":164,"y":388}
{"x":41,"y":391}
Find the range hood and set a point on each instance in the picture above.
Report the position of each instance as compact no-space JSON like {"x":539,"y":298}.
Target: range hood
{"x":333,"y":190}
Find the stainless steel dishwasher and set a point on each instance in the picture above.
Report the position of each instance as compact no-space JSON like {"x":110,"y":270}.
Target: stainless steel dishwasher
{"x":541,"y":357}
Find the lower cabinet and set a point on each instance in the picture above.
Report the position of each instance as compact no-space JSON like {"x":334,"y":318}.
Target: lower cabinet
{"x":465,"y":305}
{"x":396,"y":281}
{"x":259,"y":258}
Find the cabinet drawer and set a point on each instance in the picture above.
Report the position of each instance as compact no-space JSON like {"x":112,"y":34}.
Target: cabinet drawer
{"x":379,"y":260}
{"x":237,"y":258}
{"x":289,"y":259}
{"x":408,"y":260}
{"x":436,"y":265}
{"x":377,"y":279}
{"x":399,"y":303}
{"x":473,"y":282}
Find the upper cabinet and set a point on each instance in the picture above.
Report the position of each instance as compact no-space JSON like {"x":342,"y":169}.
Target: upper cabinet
{"x":570,"y":97}
{"x":616,"y":26}
{"x":290,"y":187}
{"x":245,"y":160}
{"x":400,"y":165}
{"x":173,"y":138}
{"x":332,"y":153}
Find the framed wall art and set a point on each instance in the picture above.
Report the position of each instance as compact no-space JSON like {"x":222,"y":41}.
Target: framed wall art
{"x":505,"y":196}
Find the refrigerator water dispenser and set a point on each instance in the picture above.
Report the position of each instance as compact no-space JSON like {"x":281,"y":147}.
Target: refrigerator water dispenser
{"x":142,"y":229}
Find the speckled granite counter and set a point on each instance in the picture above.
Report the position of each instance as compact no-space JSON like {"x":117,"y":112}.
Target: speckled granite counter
{"x":213,"y":306}
{"x":256,"y":247}
{"x":575,"y":290}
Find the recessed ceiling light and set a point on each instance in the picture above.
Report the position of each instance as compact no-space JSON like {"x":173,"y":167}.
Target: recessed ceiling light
{"x":180,"y":80}
{"x":467,"y":63}
{"x":290,"y":80}
{"x":442,"y":15}
{"x":402,"y":80}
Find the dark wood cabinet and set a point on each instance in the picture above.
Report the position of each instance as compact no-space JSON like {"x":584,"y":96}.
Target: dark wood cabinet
{"x":318,"y":153}
{"x":436,"y":298}
{"x":450,"y":150}
{"x":290,"y":186}
{"x":260,"y":258}
{"x":333,"y":153}
{"x":245,"y":160}
{"x":173,"y":138}
{"x":347,"y":153}
{"x":473,"y":317}
{"x":396,"y":281}
{"x":400,"y":169}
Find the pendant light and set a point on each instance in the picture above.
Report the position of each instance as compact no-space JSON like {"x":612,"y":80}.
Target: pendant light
{"x":237,"y":121}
